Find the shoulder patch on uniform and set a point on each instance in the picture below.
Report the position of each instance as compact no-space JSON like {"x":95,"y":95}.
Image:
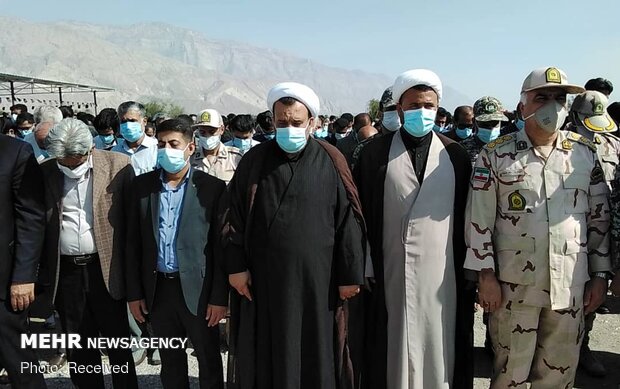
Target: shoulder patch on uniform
{"x":481,"y":174}
{"x":583,"y":140}
{"x":499,"y":141}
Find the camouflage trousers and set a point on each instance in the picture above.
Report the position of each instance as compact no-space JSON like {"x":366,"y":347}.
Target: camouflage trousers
{"x":534,"y":344}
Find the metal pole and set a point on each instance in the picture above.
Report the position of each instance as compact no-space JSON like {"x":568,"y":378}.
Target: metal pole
{"x":12,"y":93}
{"x":60,"y":94}
{"x":95,"y":100}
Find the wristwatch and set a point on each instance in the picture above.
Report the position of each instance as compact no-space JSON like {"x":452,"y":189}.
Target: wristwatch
{"x":600,"y":274}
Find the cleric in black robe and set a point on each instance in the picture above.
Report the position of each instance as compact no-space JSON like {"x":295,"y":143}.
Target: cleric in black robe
{"x":417,"y":182}
{"x":294,"y":249}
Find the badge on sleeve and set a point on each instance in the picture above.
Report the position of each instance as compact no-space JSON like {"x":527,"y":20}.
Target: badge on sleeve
{"x":516,"y":201}
{"x":481,"y":174}
{"x":567,"y":145}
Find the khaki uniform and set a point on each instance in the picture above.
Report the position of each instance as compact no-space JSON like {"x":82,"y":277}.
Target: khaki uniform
{"x":222,"y":166}
{"x":608,"y":147}
{"x":542,"y":224}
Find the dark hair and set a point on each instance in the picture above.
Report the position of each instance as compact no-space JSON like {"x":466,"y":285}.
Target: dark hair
{"x":150,"y":125}
{"x":24,"y":117}
{"x":441,"y":111}
{"x":340,"y":124}
{"x":225,"y":121}
{"x":22,"y":107}
{"x":230,"y":116}
{"x":85,"y":117}
{"x":600,"y":85}
{"x":265,"y":120}
{"x":347,"y":116}
{"x":5,"y":125}
{"x":186,"y":118}
{"x":461,"y":110}
{"x":288,"y":101}
{"x":67,"y":111}
{"x":361,"y":120}
{"x":107,"y":118}
{"x":176,"y":125}
{"x":614,"y":111}
{"x":242,"y":123}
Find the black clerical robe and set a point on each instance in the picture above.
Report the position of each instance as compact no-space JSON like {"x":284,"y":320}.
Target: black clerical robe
{"x":370,"y":176}
{"x":296,"y":225}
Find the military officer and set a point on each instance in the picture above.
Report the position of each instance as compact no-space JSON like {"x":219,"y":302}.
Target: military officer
{"x":212,"y":156}
{"x":589,"y":117}
{"x":488,"y":120}
{"x":537,"y":234}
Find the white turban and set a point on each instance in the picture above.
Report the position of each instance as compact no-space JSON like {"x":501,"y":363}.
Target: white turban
{"x":414,"y":77}
{"x":299,"y":92}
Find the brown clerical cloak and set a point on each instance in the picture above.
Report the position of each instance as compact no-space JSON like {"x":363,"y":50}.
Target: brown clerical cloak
{"x":370,"y":175}
{"x":296,"y":225}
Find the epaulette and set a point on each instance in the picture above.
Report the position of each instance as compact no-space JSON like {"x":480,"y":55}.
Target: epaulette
{"x":581,"y":139}
{"x":499,"y":141}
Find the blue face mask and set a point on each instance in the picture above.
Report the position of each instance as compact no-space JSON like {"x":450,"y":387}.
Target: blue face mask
{"x":520,"y":124}
{"x":464,"y":133}
{"x":322,"y":133}
{"x":131,"y":131}
{"x":291,"y":139}
{"x":242,"y":144}
{"x":270,"y":136}
{"x":26,"y":132}
{"x":438,"y":129}
{"x":419,"y":122}
{"x":172,"y":160}
{"x":488,"y":134}
{"x":391,"y":120}
{"x":107,"y":139}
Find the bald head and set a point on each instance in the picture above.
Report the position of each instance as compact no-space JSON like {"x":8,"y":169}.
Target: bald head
{"x":361,"y":120}
{"x":366,"y":132}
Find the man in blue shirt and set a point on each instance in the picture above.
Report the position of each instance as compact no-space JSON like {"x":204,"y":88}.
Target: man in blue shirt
{"x":140,"y":148}
{"x":174,"y":272}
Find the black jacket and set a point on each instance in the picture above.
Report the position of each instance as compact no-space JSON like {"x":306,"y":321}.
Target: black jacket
{"x":22,"y":214}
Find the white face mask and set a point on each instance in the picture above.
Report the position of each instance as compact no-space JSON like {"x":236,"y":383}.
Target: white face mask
{"x":550,"y":117}
{"x":75,"y":173}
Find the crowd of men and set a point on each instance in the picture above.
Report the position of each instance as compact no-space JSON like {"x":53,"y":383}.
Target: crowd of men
{"x":344,"y":252}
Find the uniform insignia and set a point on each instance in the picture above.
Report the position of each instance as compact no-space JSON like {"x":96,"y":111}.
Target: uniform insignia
{"x":516,"y":201}
{"x":567,"y":145}
{"x":521,"y":145}
{"x":598,"y":108}
{"x":481,"y":174}
{"x":587,"y":142}
{"x":498,"y":141}
{"x":205,"y":117}
{"x":553,"y":75}
{"x":573,"y":136}
{"x":597,"y":175}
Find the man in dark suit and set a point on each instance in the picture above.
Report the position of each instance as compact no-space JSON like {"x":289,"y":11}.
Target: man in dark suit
{"x":174,"y":272}
{"x":21,"y":239}
{"x":86,"y":191}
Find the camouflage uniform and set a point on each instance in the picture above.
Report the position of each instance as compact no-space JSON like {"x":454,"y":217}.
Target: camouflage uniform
{"x":486,"y":109}
{"x":542,"y":227}
{"x":222,"y":166}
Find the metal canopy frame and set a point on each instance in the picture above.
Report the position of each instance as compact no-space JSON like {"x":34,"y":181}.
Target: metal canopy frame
{"x":22,"y":85}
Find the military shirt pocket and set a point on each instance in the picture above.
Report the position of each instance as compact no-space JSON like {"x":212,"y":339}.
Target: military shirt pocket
{"x":576,"y":197}
{"x":514,"y":194}
{"x":515,"y":258}
{"x":575,"y":265}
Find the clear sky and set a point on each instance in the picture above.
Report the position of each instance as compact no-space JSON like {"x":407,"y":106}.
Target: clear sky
{"x":479,"y":47}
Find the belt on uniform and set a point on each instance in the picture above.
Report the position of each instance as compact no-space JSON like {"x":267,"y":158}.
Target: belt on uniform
{"x":169,"y":276}
{"x":80,"y":260}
